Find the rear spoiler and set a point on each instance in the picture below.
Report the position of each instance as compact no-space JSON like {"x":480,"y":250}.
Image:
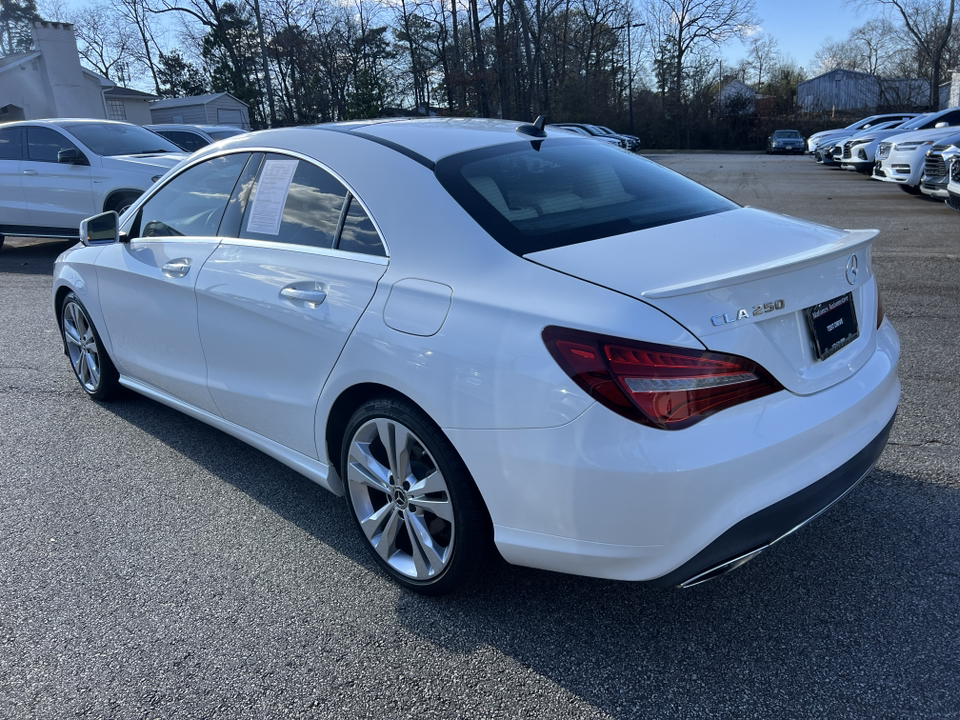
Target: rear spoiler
{"x":852,"y":241}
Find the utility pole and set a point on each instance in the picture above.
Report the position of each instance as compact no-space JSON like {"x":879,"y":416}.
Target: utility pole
{"x":628,"y":27}
{"x":266,"y":64}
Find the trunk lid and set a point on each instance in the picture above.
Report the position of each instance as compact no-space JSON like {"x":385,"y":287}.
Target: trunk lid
{"x":740,"y":281}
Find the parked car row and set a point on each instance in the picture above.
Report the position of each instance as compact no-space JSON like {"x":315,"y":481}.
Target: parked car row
{"x":601,"y":133}
{"x":915,"y":152}
{"x":55,"y":173}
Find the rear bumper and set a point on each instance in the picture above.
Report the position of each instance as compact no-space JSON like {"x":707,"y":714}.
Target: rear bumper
{"x":604,"y":497}
{"x":750,"y":536}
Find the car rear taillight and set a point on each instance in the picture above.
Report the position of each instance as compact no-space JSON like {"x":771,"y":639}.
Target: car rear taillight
{"x":657,"y":385}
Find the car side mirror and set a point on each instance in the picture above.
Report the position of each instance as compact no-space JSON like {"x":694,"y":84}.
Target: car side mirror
{"x":102,"y":229}
{"x":71,"y":156}
{"x":942,"y":125}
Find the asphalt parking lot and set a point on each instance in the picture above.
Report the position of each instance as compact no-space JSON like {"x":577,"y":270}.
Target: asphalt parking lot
{"x":153,"y":567}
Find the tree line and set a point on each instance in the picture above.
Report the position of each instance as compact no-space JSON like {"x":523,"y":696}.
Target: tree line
{"x":307,"y":61}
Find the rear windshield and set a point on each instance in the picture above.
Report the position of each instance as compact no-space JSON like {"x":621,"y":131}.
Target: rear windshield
{"x":221,"y":134}
{"x":533,"y":196}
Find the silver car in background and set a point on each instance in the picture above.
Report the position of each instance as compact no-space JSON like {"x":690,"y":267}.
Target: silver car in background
{"x":785,"y":141}
{"x":935,"y":179}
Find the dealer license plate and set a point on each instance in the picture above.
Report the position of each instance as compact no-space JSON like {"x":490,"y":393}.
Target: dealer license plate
{"x":833,"y":325}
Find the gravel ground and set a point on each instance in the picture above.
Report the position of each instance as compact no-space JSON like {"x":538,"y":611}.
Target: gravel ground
{"x":156,"y":568}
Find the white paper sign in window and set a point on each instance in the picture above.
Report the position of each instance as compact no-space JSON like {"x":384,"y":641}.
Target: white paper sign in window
{"x":271,"y":196}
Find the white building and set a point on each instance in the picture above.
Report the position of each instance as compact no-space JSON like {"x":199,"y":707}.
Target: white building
{"x":737,"y":98}
{"x":49,"y":81}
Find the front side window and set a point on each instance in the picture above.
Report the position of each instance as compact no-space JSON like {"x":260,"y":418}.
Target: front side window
{"x":10,"y":144}
{"x":294,"y":202}
{"x":193,"y":202}
{"x":43,"y":144}
{"x":532,"y":196}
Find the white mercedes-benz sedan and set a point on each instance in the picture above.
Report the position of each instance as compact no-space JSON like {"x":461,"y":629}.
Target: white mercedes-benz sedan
{"x":494,"y":337}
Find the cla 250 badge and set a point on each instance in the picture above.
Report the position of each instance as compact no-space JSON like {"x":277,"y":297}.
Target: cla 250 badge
{"x":743,"y":313}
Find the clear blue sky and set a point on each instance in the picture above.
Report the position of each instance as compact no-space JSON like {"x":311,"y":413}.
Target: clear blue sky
{"x":802,"y":26}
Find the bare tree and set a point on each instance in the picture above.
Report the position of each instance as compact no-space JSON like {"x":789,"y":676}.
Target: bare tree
{"x":137,"y":22}
{"x":876,"y":47}
{"x":763,"y":52}
{"x":929,"y":24}
{"x":101,"y":41}
{"x":682,"y":27}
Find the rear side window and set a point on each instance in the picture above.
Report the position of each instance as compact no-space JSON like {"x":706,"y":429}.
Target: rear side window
{"x":295,"y":202}
{"x":533,"y":196}
{"x":358,"y":234}
{"x":10,"y":144}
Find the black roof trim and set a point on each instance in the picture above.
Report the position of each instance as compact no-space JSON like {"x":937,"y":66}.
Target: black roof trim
{"x":415,"y":156}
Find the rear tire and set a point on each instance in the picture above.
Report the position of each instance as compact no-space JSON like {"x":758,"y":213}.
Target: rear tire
{"x":92,"y":366}
{"x":412,"y":499}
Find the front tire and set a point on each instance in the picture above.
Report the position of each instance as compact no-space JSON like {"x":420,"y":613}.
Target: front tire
{"x":92,"y":366}
{"x":910,"y":189}
{"x":121,"y":203}
{"x":412,"y":499}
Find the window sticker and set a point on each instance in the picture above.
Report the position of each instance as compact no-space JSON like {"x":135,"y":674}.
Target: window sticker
{"x":271,"y":196}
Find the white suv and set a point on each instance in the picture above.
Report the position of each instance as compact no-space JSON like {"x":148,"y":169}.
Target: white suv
{"x":55,"y":173}
{"x":900,"y":158}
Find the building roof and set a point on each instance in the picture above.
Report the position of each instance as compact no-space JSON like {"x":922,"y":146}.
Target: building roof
{"x":844,"y":71}
{"x":119,"y":92}
{"x":11,"y":61}
{"x":192,"y":100}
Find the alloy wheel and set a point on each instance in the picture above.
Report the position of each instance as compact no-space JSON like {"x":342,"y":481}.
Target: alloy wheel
{"x":400,"y":499}
{"x":82,"y":346}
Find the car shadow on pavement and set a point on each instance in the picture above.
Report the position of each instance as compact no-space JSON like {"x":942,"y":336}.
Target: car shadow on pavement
{"x":31,"y":256}
{"x":842,"y":619}
{"x":265,"y":480}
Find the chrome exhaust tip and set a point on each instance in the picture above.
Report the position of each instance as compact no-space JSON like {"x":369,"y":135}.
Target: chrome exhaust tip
{"x":723,"y":568}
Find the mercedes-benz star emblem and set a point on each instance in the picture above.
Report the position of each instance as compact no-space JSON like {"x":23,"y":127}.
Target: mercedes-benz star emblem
{"x":852,"y":266}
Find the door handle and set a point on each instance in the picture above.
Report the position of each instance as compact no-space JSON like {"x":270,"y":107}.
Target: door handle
{"x":30,"y":172}
{"x":314,"y":297}
{"x":177,"y":268}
